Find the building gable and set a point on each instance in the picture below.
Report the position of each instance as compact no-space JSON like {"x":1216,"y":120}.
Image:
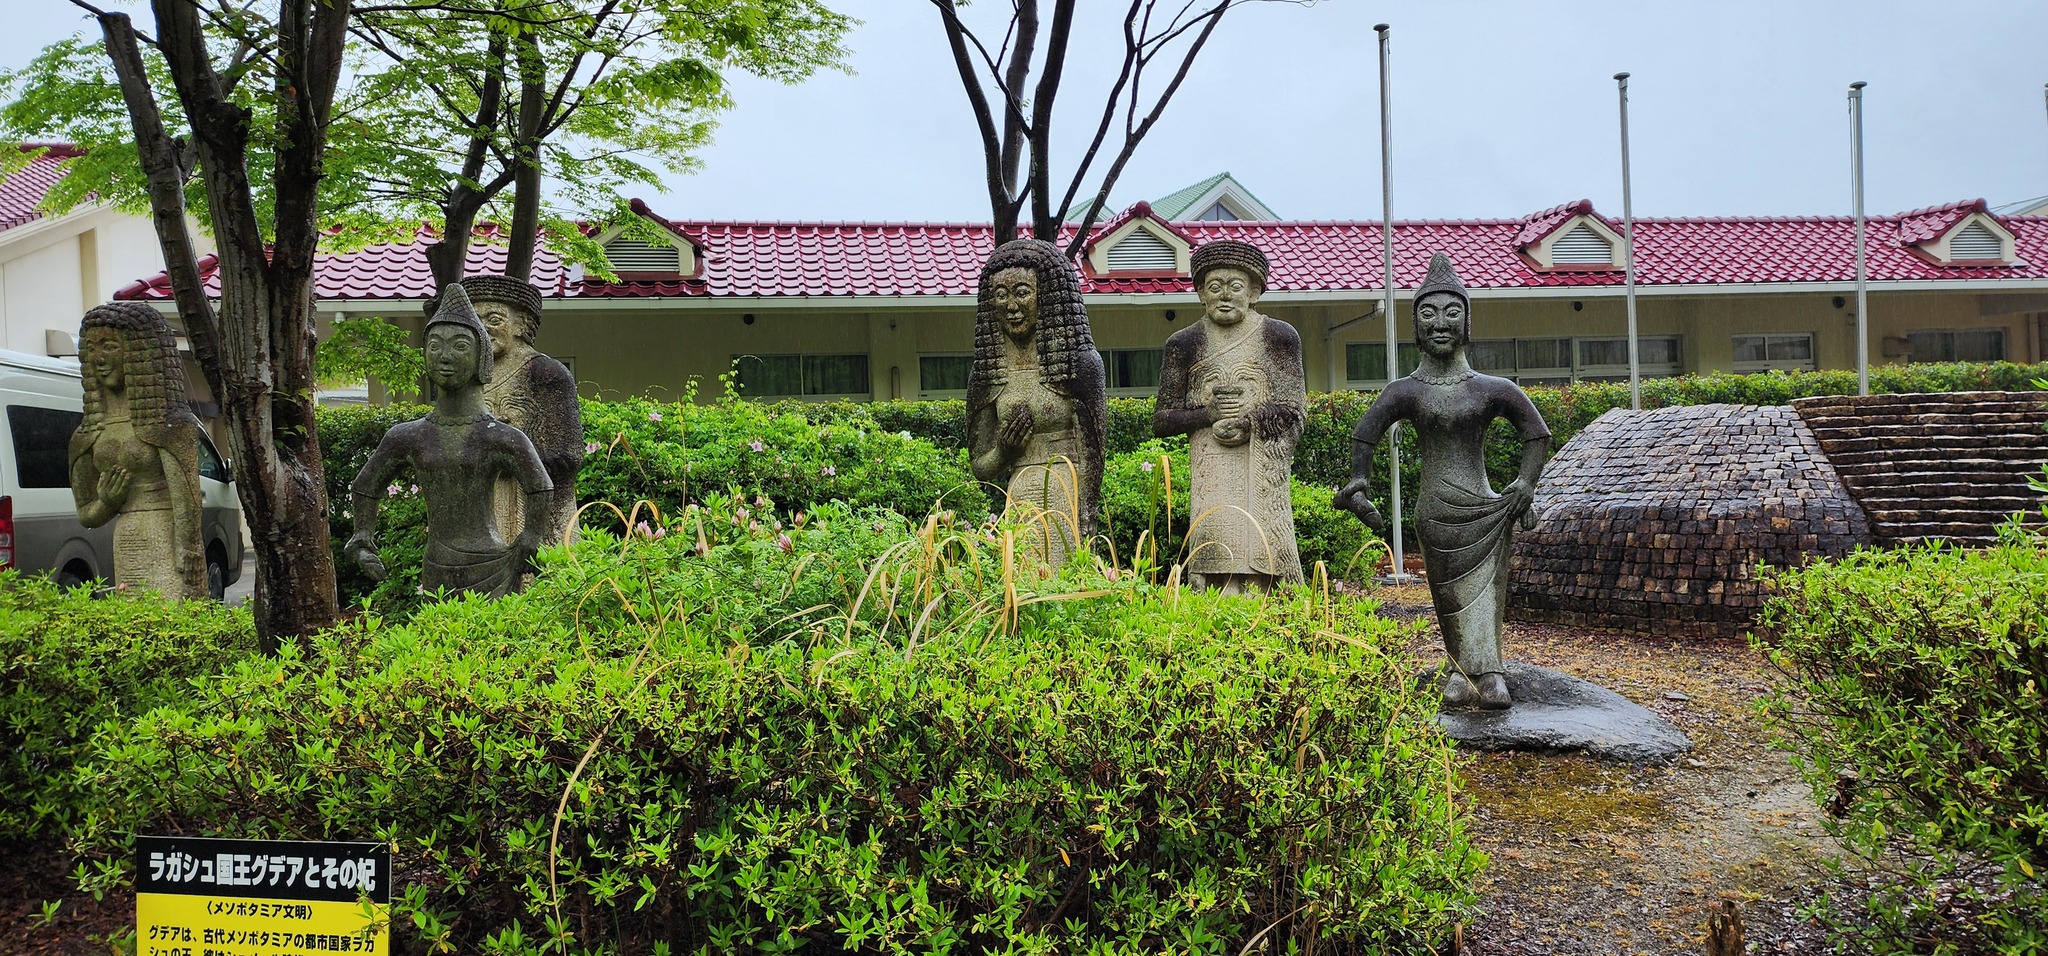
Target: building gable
{"x":1138,"y":244}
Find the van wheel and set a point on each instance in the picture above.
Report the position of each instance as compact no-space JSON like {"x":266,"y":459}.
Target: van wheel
{"x":216,"y":572}
{"x":73,"y":575}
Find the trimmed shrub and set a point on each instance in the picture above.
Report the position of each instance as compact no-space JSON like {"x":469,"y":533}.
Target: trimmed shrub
{"x":1915,"y":710}
{"x":70,"y":661}
{"x":659,"y":744}
{"x":1134,"y":503}
{"x":667,"y":454}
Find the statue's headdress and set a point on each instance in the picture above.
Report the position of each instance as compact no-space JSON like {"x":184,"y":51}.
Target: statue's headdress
{"x":1231,"y":253}
{"x":1443,"y":277}
{"x":497,"y":288}
{"x":455,"y":309}
{"x":153,"y":373}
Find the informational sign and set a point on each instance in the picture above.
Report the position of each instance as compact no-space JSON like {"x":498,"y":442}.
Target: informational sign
{"x":201,"y":897}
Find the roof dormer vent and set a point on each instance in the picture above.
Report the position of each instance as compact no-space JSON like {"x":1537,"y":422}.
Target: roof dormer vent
{"x":1975,"y":241}
{"x":1582,"y":247}
{"x":634,"y":256}
{"x":1142,"y":251}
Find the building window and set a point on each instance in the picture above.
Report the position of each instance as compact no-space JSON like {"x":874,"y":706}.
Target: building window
{"x":1606,"y":360}
{"x":1957,"y":345}
{"x":1217,"y":212}
{"x":1524,"y":361}
{"x":1365,"y":363}
{"x":1133,"y":371}
{"x":803,"y":376}
{"x":1762,"y":353}
{"x":943,"y":376}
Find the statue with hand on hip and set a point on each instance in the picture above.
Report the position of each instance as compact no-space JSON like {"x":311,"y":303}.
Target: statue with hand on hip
{"x":1466,"y":530}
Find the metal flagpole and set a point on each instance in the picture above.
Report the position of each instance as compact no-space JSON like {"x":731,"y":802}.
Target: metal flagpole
{"x":1400,"y":570}
{"x":1862,"y":267}
{"x":1628,"y":244}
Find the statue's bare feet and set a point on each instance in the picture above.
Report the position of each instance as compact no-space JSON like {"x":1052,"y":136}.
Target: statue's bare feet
{"x":1493,"y":691}
{"x":1459,"y":692}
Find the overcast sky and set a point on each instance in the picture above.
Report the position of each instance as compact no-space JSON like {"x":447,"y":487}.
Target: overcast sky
{"x":1501,"y":108}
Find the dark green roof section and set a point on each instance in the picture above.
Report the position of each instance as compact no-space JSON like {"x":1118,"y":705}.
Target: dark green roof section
{"x":1175,"y":206}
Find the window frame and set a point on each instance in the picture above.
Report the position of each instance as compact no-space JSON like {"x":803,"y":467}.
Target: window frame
{"x":1768,"y":364}
{"x":1999,"y":330}
{"x":940,"y":394}
{"x":803,"y":376}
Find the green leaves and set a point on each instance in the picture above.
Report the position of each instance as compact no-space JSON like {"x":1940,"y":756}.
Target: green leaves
{"x":1916,"y":712}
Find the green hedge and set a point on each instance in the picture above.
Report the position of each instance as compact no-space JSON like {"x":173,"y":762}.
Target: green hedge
{"x":1134,"y":503}
{"x":1915,"y":709}
{"x":838,"y":733}
{"x":69,"y":661}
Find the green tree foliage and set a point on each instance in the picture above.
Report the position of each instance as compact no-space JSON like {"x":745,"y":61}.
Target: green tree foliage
{"x":360,"y":349}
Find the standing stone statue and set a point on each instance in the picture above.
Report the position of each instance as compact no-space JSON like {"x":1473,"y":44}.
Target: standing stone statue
{"x":457,"y":453}
{"x":1465,"y":529}
{"x":531,"y":392}
{"x":1233,"y":383}
{"x":135,"y":455}
{"x":1036,"y":403}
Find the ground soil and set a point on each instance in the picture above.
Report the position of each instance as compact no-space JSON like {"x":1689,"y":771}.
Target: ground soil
{"x":1593,"y":857}
{"x":1587,"y":857}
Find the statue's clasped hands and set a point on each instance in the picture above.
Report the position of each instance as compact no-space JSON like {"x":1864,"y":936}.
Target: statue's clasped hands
{"x":1231,"y":423}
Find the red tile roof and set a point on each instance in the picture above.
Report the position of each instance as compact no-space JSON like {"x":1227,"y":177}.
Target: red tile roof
{"x":1926,"y":225}
{"x":807,"y":259}
{"x":26,"y":187}
{"x":1542,"y":224}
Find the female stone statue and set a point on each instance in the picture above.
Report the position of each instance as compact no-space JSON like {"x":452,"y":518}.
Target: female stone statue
{"x":1035,"y":399}
{"x":532,"y":392}
{"x":457,"y":452}
{"x":136,"y":452}
{"x":1465,"y":529}
{"x":1233,"y":383}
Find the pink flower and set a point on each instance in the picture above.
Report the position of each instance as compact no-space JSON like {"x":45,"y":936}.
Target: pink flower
{"x":828,"y":471}
{"x":394,"y":489}
{"x":591,"y":447}
{"x":1145,"y":466}
{"x":412,"y":489}
{"x":782,"y":541}
{"x":756,"y":444}
{"x":654,"y":416}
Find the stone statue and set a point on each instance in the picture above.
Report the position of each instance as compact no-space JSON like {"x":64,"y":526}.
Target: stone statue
{"x":135,"y":455}
{"x":1465,"y":529}
{"x":457,"y":453}
{"x":531,"y":392}
{"x":1233,"y":383}
{"x":1036,"y":399}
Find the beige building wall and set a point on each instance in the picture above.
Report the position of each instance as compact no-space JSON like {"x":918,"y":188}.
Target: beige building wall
{"x":623,"y":349}
{"x":53,"y":270}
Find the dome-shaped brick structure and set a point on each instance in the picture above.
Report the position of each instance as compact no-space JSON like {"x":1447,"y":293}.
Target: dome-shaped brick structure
{"x":1655,"y":520}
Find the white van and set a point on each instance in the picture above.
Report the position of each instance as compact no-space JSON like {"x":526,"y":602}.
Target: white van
{"x":41,"y":404}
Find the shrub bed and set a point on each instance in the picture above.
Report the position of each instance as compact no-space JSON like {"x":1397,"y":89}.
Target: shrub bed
{"x":1915,"y":710}
{"x":838,"y":734}
{"x":1134,"y":505}
{"x":70,"y":661}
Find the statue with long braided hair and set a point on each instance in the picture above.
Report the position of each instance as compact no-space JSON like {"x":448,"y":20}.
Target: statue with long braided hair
{"x":135,"y":456}
{"x":1036,"y":402}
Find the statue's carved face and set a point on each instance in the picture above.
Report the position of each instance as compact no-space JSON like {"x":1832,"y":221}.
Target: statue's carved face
{"x":1015,"y":293}
{"x":1228,"y":295}
{"x":506,"y":323}
{"x":1440,"y":324}
{"x":451,"y":356}
{"x":101,"y":351}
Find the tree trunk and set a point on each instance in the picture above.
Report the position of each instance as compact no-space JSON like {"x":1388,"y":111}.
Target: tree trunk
{"x":257,"y":350}
{"x":533,"y":97}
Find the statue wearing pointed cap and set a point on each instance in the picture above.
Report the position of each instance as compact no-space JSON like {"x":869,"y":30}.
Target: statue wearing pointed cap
{"x":1233,"y":384}
{"x":1465,"y":528}
{"x":457,"y":452}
